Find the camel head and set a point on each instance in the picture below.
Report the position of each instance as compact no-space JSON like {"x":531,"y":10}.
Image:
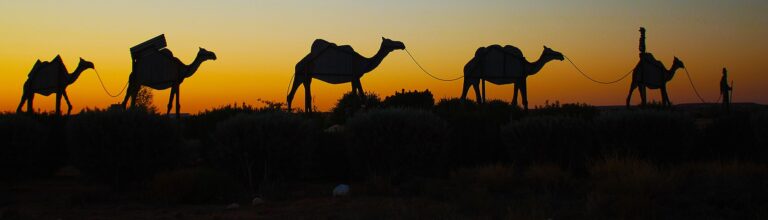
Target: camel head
{"x":84,"y":64}
{"x":552,"y":54}
{"x":392,"y":45}
{"x":679,"y":63}
{"x":206,"y":55}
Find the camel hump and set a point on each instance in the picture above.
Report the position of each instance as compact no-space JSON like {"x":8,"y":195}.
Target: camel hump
{"x":320,"y":45}
{"x":509,"y":49}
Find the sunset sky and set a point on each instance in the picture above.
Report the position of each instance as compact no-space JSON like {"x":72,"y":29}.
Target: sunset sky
{"x":258,"y":44}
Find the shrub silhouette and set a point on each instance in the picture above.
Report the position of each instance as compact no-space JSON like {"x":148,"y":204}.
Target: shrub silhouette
{"x":577,"y":110}
{"x":30,"y":147}
{"x":123,"y":146}
{"x":351,"y":103}
{"x":264,"y":147}
{"x":565,"y":141}
{"x":194,"y":186}
{"x":410,"y":99}
{"x":396,"y":143}
{"x":474,"y":130}
{"x":662,"y":136}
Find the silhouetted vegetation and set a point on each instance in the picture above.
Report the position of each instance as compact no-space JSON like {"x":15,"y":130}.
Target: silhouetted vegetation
{"x":351,"y":104}
{"x":410,"y":99}
{"x":396,"y":142}
{"x":262,"y":147}
{"x":458,"y":159}
{"x":124,"y":146}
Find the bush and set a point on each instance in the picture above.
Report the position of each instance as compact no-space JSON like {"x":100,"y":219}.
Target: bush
{"x":410,"y":99}
{"x":650,"y":134}
{"x":396,"y":142}
{"x":123,"y":146}
{"x":31,"y":147}
{"x":263,"y":147}
{"x":474,"y":130}
{"x":194,"y":186}
{"x":550,"y":139}
{"x":576,"y":110}
{"x":351,"y":103}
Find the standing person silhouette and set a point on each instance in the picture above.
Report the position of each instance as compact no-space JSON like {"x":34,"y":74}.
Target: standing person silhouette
{"x":725,"y":91}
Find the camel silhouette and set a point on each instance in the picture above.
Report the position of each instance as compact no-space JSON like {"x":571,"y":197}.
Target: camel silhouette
{"x":504,"y":65}
{"x":161,"y":70}
{"x":46,"y":78}
{"x":651,"y":73}
{"x":336,"y":64}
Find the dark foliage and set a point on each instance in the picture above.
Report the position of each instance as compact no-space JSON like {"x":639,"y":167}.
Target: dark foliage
{"x":651,"y":134}
{"x":410,"y":99}
{"x":31,"y":146}
{"x":351,"y":104}
{"x":266,"y":146}
{"x":194,"y":186}
{"x":473,"y":135}
{"x":577,"y":110}
{"x":396,"y":143}
{"x":566,"y":141}
{"x":124,"y":146}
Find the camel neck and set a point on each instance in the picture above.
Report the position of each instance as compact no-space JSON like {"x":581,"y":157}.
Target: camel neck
{"x":672,"y":70}
{"x":536,"y":66}
{"x":192,"y":68}
{"x":76,"y":74}
{"x":374,"y":61}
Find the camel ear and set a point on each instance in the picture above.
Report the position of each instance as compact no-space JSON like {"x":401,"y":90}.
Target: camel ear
{"x":382,"y":38}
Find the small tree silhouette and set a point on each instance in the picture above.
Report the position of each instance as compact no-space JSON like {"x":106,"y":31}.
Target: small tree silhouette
{"x":144,"y":100}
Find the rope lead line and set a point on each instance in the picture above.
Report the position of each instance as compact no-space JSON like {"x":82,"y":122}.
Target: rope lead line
{"x":427,"y":72}
{"x":105,"y":88}
{"x":696,"y":90}
{"x":594,"y":80}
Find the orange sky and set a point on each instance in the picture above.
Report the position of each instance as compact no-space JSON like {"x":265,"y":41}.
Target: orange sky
{"x":259,"y":42}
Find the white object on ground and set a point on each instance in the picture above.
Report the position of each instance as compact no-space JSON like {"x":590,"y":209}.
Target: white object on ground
{"x":341,"y":190}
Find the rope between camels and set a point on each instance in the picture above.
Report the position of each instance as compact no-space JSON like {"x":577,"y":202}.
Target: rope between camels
{"x":105,"y":88}
{"x":427,"y":72}
{"x":594,"y":80}
{"x":694,"y":87}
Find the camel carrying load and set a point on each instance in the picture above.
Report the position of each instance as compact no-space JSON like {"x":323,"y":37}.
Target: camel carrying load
{"x":45,"y":76}
{"x":497,"y":64}
{"x":155,"y":66}
{"x":649,"y":76}
{"x":154,"y":58}
{"x":333,"y":63}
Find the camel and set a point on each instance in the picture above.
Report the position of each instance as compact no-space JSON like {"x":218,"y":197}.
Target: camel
{"x":501,"y":66}
{"x":335,"y":65}
{"x":161,"y":70}
{"x":51,"y":77}
{"x":652,"y":74}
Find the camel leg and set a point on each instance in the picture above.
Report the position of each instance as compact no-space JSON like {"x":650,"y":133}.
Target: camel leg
{"x":130,"y":93}
{"x":174,"y":89}
{"x":23,"y":99}
{"x":357,"y":87}
{"x":629,"y":96}
{"x":524,"y":93}
{"x":665,"y":97}
{"x":643,"y":97}
{"x":464,"y":89}
{"x":178,"y":104}
{"x":478,"y":93}
{"x":307,"y":96}
{"x":482,"y":81}
{"x":514,"y":94}
{"x":296,"y":83}
{"x":31,"y":97}
{"x":69,"y":104}
{"x":58,"y":103}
